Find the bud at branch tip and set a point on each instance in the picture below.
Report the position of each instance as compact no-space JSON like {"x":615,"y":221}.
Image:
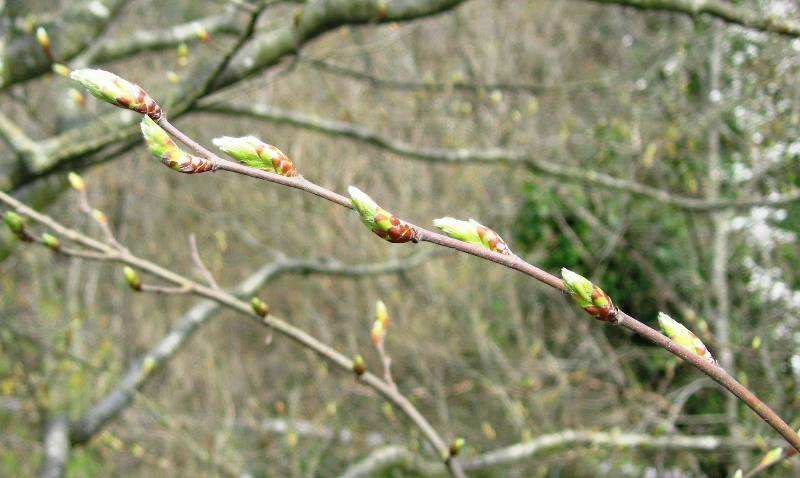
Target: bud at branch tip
{"x":117,"y":91}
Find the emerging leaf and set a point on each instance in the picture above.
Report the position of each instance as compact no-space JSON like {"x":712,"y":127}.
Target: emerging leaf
{"x":589,"y":296}
{"x":683,"y":336}
{"x":164,"y":148}
{"x":472,"y":232}
{"x":257,"y":154}
{"x":380,"y":221}
{"x":117,"y":91}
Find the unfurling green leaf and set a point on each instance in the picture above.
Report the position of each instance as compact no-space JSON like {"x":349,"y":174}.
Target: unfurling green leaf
{"x":683,"y":336}
{"x":589,"y":296}
{"x":164,"y":148}
{"x":380,"y":221}
{"x":257,"y":154}
{"x":472,"y":232}
{"x":117,"y":91}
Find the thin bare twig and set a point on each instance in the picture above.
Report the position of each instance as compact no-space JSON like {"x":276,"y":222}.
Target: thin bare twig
{"x":199,"y":263}
{"x":714,"y":371}
{"x":226,"y":299}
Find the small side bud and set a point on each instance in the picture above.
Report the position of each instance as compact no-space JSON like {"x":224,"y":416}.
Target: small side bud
{"x":472,"y":232}
{"x":457,"y":446}
{"x":202,"y":33}
{"x":381,"y":324}
{"x":771,"y":457}
{"x":76,"y":97}
{"x":359,"y":366}
{"x":61,"y":69}
{"x":378,"y":332}
{"x":257,"y":154}
{"x":76,"y":182}
{"x":683,"y":336}
{"x":14,"y":222}
{"x":44,"y":41}
{"x":380,"y":221}
{"x":117,"y":91}
{"x":132,"y":278}
{"x":589,"y":296}
{"x":259,"y":307}
{"x":99,"y":216}
{"x":164,"y":148}
{"x":183,"y":55}
{"x":51,"y":241}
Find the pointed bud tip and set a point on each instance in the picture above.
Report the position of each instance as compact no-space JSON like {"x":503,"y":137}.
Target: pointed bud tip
{"x":51,"y":241}
{"x":14,"y":222}
{"x":359,"y":366}
{"x":259,"y":307}
{"x":457,"y":446}
{"x":76,"y":182}
{"x":132,"y":278}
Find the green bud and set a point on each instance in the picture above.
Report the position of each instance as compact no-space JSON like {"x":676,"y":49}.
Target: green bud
{"x":457,"y":446}
{"x":380,"y":221}
{"x":132,"y":278}
{"x":158,"y":141}
{"x":359,"y":366}
{"x":117,"y":91}
{"x":164,"y":148}
{"x":76,"y":182}
{"x":472,"y":232}
{"x":61,"y":69}
{"x":51,"y":241}
{"x":99,"y":216}
{"x":14,"y":222}
{"x":589,"y":296}
{"x":148,"y":365}
{"x":738,"y":474}
{"x":683,"y":336}
{"x":259,"y":307}
{"x":771,"y":457}
{"x":43,"y":38}
{"x":257,"y":154}
{"x":381,"y":313}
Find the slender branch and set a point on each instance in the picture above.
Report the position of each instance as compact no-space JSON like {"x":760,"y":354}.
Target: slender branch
{"x":56,"y":446}
{"x":209,"y":277}
{"x":489,"y":156}
{"x":720,"y":9}
{"x":394,"y":455}
{"x":140,"y":41}
{"x":226,"y":299}
{"x":717,"y":373}
{"x":533,"y":89}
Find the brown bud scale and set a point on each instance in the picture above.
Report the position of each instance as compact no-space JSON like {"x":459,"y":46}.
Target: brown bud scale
{"x":606,"y":313}
{"x":187,"y":163}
